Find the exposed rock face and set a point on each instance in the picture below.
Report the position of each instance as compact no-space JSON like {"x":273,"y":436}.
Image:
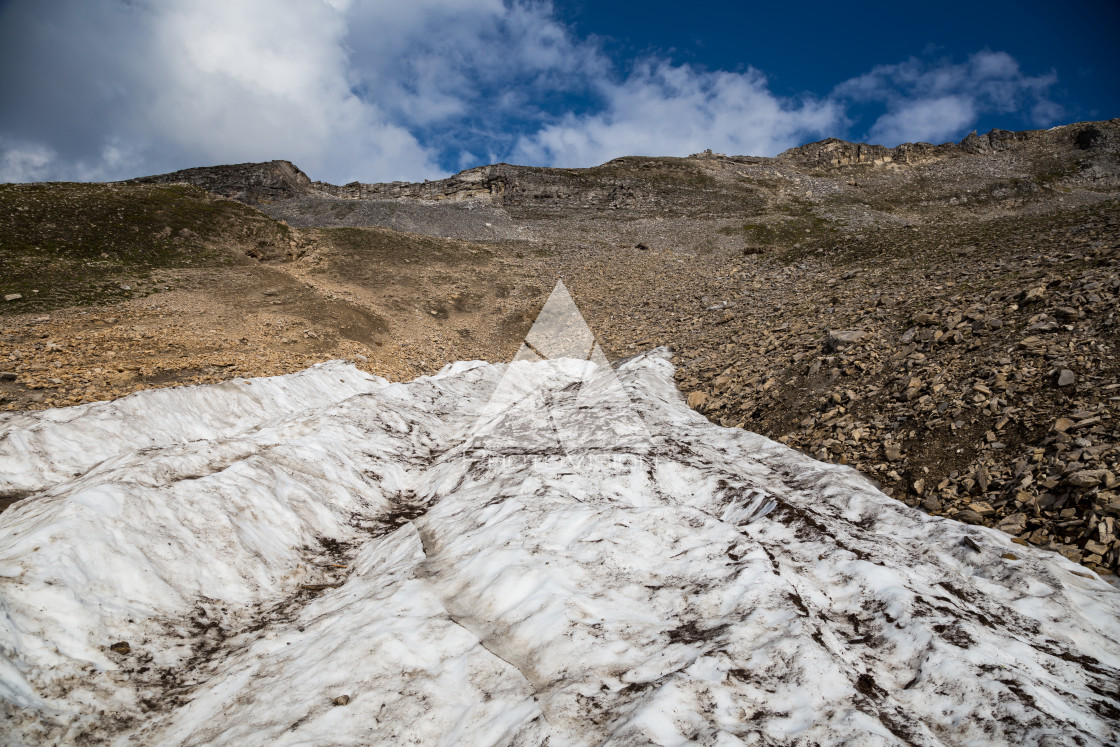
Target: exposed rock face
{"x":993,"y":141}
{"x":1099,"y":146}
{"x":833,"y":152}
{"x":252,"y":183}
{"x":486,"y":183}
{"x":622,"y":183}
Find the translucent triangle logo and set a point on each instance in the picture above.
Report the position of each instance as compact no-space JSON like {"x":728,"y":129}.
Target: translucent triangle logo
{"x":559,"y":331}
{"x":576,"y":406}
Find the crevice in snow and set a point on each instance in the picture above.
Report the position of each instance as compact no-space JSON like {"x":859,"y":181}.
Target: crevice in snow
{"x":479,"y":635}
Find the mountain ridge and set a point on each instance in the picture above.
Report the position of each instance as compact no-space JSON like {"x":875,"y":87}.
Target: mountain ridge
{"x":704,"y":199}
{"x":269,"y":180}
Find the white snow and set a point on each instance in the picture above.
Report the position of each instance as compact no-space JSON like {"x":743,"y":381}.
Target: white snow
{"x":509,"y":555}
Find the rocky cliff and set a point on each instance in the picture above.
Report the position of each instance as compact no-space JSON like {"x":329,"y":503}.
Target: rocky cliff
{"x":833,"y":152}
{"x":633,"y":182}
{"x":252,"y":183}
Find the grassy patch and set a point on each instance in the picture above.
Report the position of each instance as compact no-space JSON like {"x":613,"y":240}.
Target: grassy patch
{"x":375,"y":257}
{"x":933,"y":243}
{"x":794,"y":227}
{"x":73,"y":244}
{"x":386,"y":245}
{"x":1046,"y":170}
{"x":676,"y":173}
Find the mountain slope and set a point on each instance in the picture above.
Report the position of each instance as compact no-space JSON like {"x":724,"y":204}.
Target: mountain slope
{"x":943,"y":318}
{"x":840,"y":186}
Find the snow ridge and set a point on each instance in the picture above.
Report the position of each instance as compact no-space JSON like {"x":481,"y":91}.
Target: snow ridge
{"x":540,"y":571}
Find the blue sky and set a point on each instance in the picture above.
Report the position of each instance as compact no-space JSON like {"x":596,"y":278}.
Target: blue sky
{"x":813,"y":46}
{"x":378,"y":91}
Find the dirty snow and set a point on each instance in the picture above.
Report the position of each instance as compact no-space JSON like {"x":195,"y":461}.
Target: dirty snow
{"x":470,"y":567}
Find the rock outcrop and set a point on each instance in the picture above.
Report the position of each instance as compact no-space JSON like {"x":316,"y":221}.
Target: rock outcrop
{"x":252,"y":183}
{"x":639,"y":183}
{"x":704,"y":181}
{"x":832,"y":152}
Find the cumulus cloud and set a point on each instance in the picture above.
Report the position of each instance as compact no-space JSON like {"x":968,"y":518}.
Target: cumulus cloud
{"x":934,"y":102}
{"x":662,"y":109}
{"x":466,"y":77}
{"x":428,"y":59}
{"x":189,"y":82}
{"x":372,"y":90}
{"x":25,"y":162}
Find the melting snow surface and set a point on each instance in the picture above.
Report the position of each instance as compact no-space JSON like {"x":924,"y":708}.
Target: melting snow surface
{"x":524,"y":563}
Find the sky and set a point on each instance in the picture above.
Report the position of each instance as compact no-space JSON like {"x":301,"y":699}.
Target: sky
{"x":377,"y":90}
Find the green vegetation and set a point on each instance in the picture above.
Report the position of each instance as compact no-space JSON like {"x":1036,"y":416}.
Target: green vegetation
{"x":666,"y":173}
{"x":386,"y":245}
{"x":798,"y":225}
{"x":1048,"y":169}
{"x":68,"y":244}
{"x":374,"y":257}
{"x":933,"y":243}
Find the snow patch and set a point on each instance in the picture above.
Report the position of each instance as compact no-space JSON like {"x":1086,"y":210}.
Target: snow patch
{"x":472,"y":568}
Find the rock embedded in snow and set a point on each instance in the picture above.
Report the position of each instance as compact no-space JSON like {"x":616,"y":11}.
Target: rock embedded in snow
{"x":1013,"y":524}
{"x":697,"y":400}
{"x":968,"y":516}
{"x":511,"y":554}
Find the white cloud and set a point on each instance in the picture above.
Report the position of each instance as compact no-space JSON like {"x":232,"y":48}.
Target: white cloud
{"x":924,"y":120}
{"x":662,"y":109}
{"x":373,"y":90}
{"x":219,"y":82}
{"x":935,"y":102}
{"x":254,"y":80}
{"x":431,"y":60}
{"x":25,"y":162}
{"x":346,"y":89}
{"x":31,"y":161}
